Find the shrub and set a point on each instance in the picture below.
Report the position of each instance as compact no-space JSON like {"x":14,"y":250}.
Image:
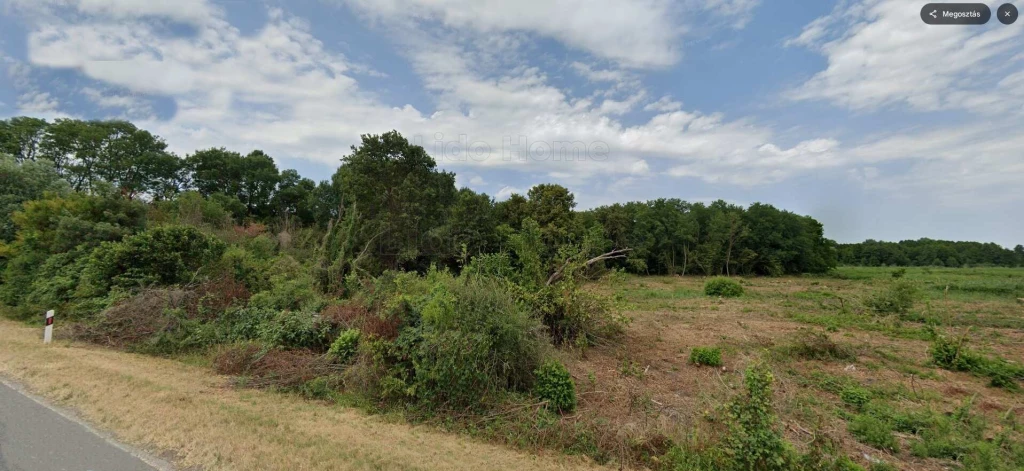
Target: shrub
{"x":956,"y":356}
{"x":462,"y":342}
{"x":162,"y":256}
{"x":345,"y":346}
{"x":899,"y":273}
{"x":873,"y":431}
{"x":724,"y":287}
{"x":898,"y":298}
{"x":476,"y":341}
{"x":855,"y":396}
{"x":706,"y":356}
{"x":555,"y":385}
{"x":813,"y":345}
{"x":296,"y":329}
{"x":754,"y":440}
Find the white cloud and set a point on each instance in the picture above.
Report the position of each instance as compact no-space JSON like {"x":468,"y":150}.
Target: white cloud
{"x":638,"y":33}
{"x":506,"y":191}
{"x":184,"y":11}
{"x":132,"y":105}
{"x":880,"y":54}
{"x":36,"y":102}
{"x":737,"y":13}
{"x":281,"y":90}
{"x":664,"y":104}
{"x":600,"y":75}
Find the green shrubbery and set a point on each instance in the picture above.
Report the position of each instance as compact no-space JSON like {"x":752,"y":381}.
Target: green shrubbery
{"x":161,"y":256}
{"x":345,"y":346}
{"x":897,"y":298}
{"x":724,"y":287}
{"x":706,"y":356}
{"x":956,"y":356}
{"x":555,"y":385}
{"x":873,"y":431}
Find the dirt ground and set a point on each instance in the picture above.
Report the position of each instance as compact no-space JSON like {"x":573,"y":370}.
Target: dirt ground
{"x":647,"y":386}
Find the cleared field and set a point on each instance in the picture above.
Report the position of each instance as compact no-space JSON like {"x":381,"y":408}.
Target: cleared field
{"x":195,"y":419}
{"x":865,"y":379}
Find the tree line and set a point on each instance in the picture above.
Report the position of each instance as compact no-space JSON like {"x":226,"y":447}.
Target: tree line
{"x":388,"y":206}
{"x":929,"y":252}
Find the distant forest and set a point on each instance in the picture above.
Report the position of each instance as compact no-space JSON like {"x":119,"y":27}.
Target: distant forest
{"x":928,"y":252}
{"x":70,"y":185}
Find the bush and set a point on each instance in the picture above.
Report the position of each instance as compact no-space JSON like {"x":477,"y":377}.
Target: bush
{"x":345,"y":346}
{"x":813,"y":345}
{"x":724,"y":287}
{"x":898,"y":298}
{"x":956,"y":356}
{"x":555,"y":385}
{"x":754,"y":440}
{"x":161,"y":256}
{"x":873,"y":431}
{"x":296,"y":329}
{"x":855,"y":396}
{"x":462,"y":341}
{"x":706,"y":356}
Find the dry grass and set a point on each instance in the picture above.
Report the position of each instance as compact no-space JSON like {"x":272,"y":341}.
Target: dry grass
{"x":166,"y":406}
{"x":645,"y":386}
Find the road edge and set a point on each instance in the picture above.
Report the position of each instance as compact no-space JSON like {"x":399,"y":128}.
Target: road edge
{"x":159,"y":463}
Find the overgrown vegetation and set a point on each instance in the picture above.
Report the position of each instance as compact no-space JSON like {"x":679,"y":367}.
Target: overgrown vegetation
{"x":389,"y":288}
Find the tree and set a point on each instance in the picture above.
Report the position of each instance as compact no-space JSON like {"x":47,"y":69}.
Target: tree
{"x":215,"y":171}
{"x":21,"y":137}
{"x":400,"y":194}
{"x":473,"y":223}
{"x":22,"y":181}
{"x":294,"y":198}
{"x":551,"y":206}
{"x":259,"y":179}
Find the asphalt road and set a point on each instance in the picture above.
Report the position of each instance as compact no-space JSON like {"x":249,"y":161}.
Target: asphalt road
{"x":37,"y":437}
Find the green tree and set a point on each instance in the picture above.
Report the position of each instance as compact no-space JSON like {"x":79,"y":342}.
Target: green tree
{"x":259,"y":179}
{"x":402,"y":196}
{"x":21,"y":137}
{"x":22,"y":181}
{"x":295,"y":198}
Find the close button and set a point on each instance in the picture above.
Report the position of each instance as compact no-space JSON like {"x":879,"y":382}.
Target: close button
{"x":956,"y":13}
{"x":1007,"y":14}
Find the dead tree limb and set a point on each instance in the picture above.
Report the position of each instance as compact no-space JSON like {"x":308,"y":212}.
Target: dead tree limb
{"x":618,"y":253}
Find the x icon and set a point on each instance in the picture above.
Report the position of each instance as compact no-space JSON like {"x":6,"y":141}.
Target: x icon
{"x":1006,"y":13}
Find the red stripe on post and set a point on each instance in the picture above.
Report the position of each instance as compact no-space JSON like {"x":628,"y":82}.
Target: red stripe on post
{"x":49,"y":321}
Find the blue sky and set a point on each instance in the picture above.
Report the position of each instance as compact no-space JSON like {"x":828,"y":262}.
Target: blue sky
{"x":853,"y":112}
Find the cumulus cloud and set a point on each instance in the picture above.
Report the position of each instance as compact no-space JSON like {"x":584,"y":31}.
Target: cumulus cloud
{"x":279,"y":88}
{"x":880,"y":54}
{"x":638,"y":33}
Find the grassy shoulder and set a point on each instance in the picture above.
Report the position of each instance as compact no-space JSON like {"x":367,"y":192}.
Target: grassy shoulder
{"x":171,"y":407}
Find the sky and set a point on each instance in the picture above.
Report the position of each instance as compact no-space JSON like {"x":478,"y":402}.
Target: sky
{"x":853,"y":112}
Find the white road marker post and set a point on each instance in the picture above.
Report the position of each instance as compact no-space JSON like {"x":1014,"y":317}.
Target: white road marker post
{"x":48,"y":330}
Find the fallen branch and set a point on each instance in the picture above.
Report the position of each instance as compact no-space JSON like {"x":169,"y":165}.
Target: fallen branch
{"x":618,"y":253}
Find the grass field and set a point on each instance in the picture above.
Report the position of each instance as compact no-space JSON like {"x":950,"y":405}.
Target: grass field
{"x":866,"y":380}
{"x":848,"y":376}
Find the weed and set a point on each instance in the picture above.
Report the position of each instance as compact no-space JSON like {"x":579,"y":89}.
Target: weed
{"x":706,"y":356}
{"x":555,"y":385}
{"x":873,"y":431}
{"x":813,"y":345}
{"x":856,"y":397}
{"x":897,"y":298}
{"x":724,"y":287}
{"x":345,"y":346}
